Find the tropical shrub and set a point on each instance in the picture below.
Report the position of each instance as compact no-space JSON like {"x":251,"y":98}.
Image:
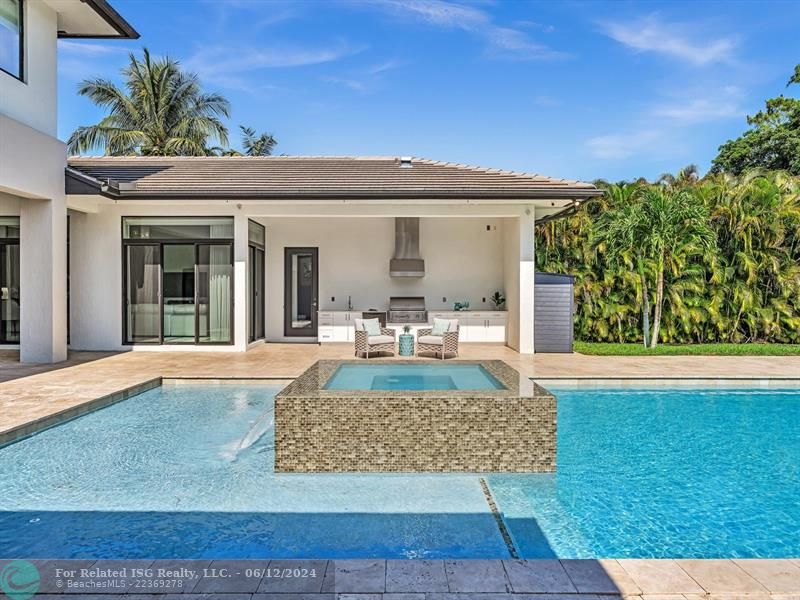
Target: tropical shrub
{"x":731,"y":272}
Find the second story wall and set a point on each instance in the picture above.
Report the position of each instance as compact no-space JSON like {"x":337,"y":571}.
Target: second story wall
{"x":33,"y":101}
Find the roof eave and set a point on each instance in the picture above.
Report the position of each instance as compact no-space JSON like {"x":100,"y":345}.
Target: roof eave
{"x":124,"y":29}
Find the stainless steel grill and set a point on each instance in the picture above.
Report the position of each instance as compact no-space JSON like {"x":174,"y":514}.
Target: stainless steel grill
{"x":407,"y":310}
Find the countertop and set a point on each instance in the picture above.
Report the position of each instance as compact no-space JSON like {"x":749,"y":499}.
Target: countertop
{"x":430,"y":310}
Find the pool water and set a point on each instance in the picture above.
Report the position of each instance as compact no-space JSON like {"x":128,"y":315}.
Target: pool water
{"x":426,"y":377}
{"x":186,"y":472}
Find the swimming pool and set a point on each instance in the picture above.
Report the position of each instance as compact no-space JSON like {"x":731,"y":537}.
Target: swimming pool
{"x":424,"y":376}
{"x":186,"y":471}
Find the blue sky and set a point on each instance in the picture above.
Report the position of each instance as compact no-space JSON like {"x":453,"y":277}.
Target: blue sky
{"x":570,"y":89}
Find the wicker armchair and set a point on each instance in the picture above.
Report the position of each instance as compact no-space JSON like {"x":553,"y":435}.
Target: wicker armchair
{"x":441,"y":345}
{"x":364,"y":344}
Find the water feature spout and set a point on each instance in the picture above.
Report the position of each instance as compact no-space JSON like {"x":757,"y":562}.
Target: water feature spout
{"x":258,"y":429}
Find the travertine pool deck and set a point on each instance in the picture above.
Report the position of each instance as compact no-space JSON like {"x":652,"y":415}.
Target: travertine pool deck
{"x":432,"y":579}
{"x":29,"y":398}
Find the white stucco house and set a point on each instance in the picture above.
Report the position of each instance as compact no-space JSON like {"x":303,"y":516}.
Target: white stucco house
{"x":222,"y":253}
{"x":33,"y":211}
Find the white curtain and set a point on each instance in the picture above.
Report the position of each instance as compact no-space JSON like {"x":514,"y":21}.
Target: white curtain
{"x":219,"y":293}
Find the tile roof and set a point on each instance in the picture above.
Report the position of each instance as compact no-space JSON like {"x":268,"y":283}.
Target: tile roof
{"x":316,"y":176}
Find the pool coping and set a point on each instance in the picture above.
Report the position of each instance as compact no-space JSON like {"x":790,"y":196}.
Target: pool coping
{"x":35,"y":426}
{"x":311,"y":383}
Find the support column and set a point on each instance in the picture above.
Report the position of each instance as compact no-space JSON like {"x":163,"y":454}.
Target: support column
{"x":240,"y":295}
{"x":527,"y":281}
{"x":43,"y":285}
{"x":519,"y":274}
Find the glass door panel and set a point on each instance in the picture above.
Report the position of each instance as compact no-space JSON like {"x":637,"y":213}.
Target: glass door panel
{"x":143,"y":294}
{"x":300,"y":292}
{"x":214,"y":293}
{"x":179,"y":293}
{"x":259,"y":302}
{"x":9,"y":293}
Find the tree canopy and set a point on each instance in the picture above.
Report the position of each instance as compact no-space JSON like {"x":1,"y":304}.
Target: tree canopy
{"x":772,"y":142}
{"x":161,"y":111}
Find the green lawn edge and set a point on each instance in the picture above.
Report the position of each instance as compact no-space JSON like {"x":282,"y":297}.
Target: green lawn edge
{"x":607,"y":349}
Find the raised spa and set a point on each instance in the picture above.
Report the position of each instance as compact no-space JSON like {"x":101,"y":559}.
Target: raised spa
{"x":412,"y":377}
{"x":396,"y":416}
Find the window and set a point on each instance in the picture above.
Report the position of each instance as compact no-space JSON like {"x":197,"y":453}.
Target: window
{"x":11,"y":37}
{"x":177,"y":228}
{"x":178,"y":280}
{"x":9,"y":280}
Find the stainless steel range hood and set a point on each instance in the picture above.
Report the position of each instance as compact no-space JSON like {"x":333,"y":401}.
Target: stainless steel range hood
{"x":406,"y":261}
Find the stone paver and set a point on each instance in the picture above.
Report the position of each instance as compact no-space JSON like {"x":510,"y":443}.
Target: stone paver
{"x":660,"y":577}
{"x":622,"y":580}
{"x":231,"y":577}
{"x":294,"y":577}
{"x":415,"y":576}
{"x":466,"y":579}
{"x":476,"y":576}
{"x":590,"y":577}
{"x":779,"y":576}
{"x":360,"y":576}
{"x":538,"y":576}
{"x":721,"y":576}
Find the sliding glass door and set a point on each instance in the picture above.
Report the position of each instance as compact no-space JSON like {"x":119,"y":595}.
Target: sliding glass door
{"x":178,"y":290}
{"x":214,"y":306}
{"x":9,"y":280}
{"x":143,"y":294}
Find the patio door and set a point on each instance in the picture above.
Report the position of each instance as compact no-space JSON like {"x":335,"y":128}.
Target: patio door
{"x":255,"y":280}
{"x":301,"y":288}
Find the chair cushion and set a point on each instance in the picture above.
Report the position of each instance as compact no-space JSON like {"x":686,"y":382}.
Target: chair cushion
{"x":372,"y":327}
{"x":440,"y":326}
{"x":374,"y":340}
{"x":358,"y":324}
{"x":435,"y":340}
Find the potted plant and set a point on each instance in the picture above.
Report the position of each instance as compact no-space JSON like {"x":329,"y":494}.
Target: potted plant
{"x":497,"y":299}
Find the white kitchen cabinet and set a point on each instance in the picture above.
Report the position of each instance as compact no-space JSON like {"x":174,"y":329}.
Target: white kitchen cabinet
{"x":477,"y":326}
{"x":337,"y":326}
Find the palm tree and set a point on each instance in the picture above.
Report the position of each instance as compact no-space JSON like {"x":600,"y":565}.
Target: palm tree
{"x":162,"y":111}
{"x":620,"y":233}
{"x":257,"y":145}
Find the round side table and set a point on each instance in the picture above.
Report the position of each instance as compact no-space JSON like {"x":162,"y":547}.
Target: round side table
{"x":406,"y":344}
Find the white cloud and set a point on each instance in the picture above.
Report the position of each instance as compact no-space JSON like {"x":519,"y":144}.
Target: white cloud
{"x":618,"y":146}
{"x":502,"y":41}
{"x":651,"y":34}
{"x":83,"y":49}
{"x":699,"y":110}
{"x":353,"y":84}
{"x":230,"y":66}
{"x":702,"y":105}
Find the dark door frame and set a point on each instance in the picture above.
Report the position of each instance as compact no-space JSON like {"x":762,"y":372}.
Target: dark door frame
{"x":6,"y":243}
{"x":257,"y":304}
{"x":288,"y":330}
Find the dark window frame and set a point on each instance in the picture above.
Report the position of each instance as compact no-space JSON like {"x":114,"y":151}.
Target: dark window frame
{"x":161,"y":242}
{"x":253,"y":249}
{"x":21,"y":66}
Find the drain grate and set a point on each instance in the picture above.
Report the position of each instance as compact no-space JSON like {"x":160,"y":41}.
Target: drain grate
{"x":501,"y":525}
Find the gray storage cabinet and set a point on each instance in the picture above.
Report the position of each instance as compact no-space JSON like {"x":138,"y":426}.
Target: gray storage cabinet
{"x":553,"y":310}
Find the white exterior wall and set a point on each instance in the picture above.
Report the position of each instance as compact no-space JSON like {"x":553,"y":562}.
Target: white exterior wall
{"x":520,"y":273}
{"x":96,"y":276}
{"x":463,"y":261}
{"x":33,"y":101}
